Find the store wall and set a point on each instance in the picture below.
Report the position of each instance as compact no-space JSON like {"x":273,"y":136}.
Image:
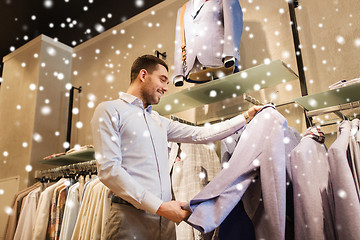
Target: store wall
{"x":17,"y":111}
{"x":330,"y":38}
{"x":33,"y":106}
{"x":102,"y":64}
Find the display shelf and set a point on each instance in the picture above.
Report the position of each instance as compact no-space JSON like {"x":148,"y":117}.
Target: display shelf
{"x":76,"y":157}
{"x":330,"y":98}
{"x":252,"y":79}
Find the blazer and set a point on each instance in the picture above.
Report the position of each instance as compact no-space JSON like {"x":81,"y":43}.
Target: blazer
{"x":255,"y":154}
{"x":212,"y":32}
{"x":355,"y":154}
{"x":198,"y":166}
{"x":309,"y":168}
{"x":345,"y":205}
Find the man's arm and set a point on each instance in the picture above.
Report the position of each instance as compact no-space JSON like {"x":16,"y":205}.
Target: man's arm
{"x":178,"y":132}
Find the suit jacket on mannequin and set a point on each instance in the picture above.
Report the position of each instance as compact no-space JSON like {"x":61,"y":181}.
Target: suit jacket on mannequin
{"x":265,"y":152}
{"x":213,"y":31}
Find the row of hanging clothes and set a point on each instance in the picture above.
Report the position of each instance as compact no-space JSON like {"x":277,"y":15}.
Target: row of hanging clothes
{"x":274,"y":183}
{"x":68,"y":202}
{"x":270,"y":183}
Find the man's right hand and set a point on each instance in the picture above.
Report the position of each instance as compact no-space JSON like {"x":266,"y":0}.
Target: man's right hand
{"x":172,"y":211}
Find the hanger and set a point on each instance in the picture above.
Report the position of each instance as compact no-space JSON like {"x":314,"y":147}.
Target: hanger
{"x":308,"y":118}
{"x":340,"y":115}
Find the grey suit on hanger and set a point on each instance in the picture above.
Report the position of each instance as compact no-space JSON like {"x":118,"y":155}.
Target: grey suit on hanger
{"x":259,"y":152}
{"x":346,"y":206}
{"x":355,"y":154}
{"x":212,"y":32}
{"x":309,"y":167}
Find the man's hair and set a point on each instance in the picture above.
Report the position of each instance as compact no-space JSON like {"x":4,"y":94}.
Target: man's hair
{"x":147,"y":62}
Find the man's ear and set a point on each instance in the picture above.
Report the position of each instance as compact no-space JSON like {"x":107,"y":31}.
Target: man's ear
{"x":142,"y":74}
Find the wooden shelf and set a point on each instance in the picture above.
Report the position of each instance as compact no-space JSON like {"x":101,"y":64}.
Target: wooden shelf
{"x":249,"y":80}
{"x":76,"y":157}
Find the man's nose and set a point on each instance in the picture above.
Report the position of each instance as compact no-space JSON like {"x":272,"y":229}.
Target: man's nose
{"x":165,"y":88}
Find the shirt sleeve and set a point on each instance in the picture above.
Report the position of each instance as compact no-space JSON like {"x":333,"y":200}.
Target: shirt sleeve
{"x":183,"y":133}
{"x":107,"y":143}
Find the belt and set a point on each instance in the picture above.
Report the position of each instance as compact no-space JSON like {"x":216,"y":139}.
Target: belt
{"x":116,"y":199}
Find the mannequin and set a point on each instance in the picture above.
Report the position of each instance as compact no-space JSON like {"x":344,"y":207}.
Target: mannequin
{"x":212,"y":32}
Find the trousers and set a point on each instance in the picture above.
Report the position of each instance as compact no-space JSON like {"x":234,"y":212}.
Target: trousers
{"x":128,"y":222}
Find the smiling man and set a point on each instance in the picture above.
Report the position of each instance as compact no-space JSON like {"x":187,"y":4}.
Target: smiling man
{"x":131,"y":150}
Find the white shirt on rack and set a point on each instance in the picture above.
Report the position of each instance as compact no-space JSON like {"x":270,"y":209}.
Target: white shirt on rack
{"x":27,"y":216}
{"x":71,"y":211}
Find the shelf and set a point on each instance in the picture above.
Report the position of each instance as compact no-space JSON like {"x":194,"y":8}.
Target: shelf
{"x":76,"y":157}
{"x":330,"y":98}
{"x":249,"y":80}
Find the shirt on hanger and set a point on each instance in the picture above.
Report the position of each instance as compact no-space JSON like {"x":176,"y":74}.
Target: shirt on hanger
{"x":84,"y":209}
{"x":72,"y":206}
{"x":27,"y":216}
{"x":43,"y":211}
{"x":53,"y":212}
{"x":16,"y":207}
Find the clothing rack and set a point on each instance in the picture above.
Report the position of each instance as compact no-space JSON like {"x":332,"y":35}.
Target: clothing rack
{"x":71,"y":170}
{"x":334,"y":109}
{"x":251,"y":99}
{"x":337,"y":110}
{"x":172,"y":117}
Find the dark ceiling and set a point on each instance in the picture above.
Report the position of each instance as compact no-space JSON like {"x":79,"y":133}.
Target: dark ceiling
{"x":70,"y":21}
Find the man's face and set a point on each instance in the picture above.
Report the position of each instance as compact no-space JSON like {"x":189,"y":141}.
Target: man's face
{"x":155,"y":85}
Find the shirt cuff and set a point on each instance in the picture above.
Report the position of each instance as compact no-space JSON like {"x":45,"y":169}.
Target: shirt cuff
{"x":151,"y":203}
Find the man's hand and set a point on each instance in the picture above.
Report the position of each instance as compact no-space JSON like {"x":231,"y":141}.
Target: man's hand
{"x":172,"y":211}
{"x":253,"y":110}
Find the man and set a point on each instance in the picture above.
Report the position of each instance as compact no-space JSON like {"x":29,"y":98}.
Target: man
{"x":131,"y":151}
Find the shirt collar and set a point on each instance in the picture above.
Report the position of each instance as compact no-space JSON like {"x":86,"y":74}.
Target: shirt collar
{"x":316,"y":134}
{"x":344,"y":126}
{"x":131,"y":99}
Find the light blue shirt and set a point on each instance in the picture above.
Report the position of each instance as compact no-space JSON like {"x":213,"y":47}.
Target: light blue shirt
{"x":131,"y":148}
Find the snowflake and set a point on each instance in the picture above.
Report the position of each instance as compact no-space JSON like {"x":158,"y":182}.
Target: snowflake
{"x":66,"y":145}
{"x":28,"y":168}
